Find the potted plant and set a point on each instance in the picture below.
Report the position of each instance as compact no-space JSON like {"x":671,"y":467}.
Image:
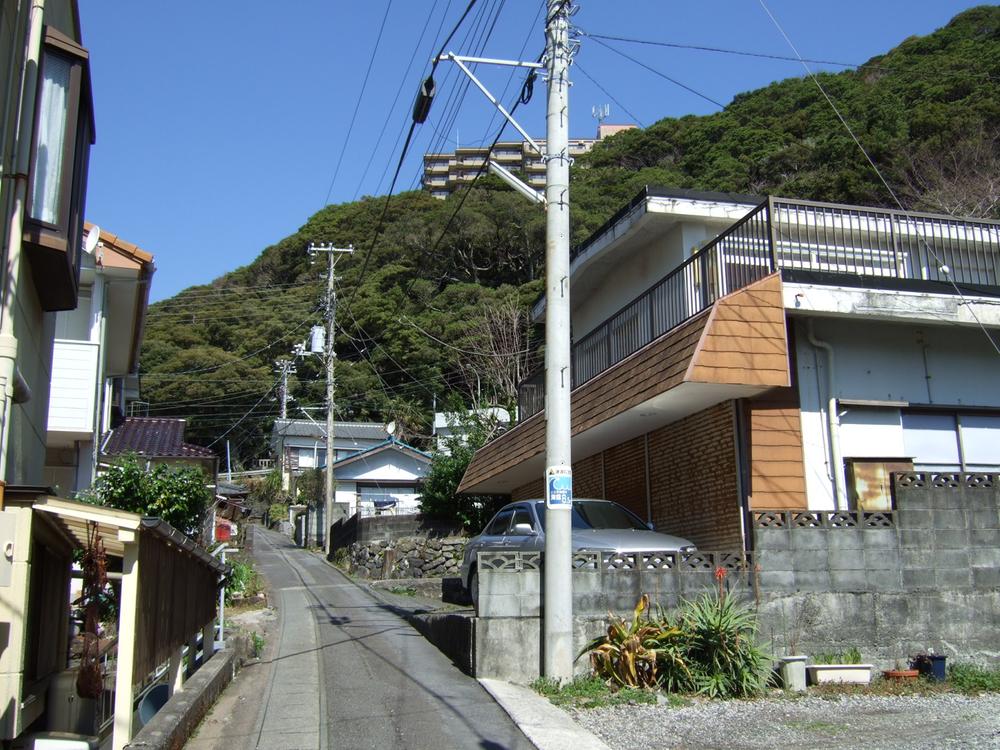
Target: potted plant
{"x":899,"y":674}
{"x":842,"y":667}
{"x":930,"y":665}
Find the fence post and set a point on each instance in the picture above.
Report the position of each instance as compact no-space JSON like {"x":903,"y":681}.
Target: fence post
{"x":768,"y":206}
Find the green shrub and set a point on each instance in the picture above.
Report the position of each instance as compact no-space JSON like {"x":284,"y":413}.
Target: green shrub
{"x":244,"y":581}
{"x":277,"y":512}
{"x":968,"y":678}
{"x":589,"y":692}
{"x":722,"y":647}
{"x":850,"y":656}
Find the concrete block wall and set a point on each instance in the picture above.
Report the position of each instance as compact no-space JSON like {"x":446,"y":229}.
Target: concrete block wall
{"x":926,"y":576}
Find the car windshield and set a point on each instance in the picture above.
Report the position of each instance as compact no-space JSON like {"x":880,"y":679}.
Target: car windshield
{"x":595,"y":514}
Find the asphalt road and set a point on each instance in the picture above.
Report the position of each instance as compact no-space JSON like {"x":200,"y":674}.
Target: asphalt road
{"x":344,"y":670}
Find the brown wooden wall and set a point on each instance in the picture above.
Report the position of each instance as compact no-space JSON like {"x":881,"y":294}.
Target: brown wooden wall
{"x":745,"y":341}
{"x":777,"y":469}
{"x":693,"y":485}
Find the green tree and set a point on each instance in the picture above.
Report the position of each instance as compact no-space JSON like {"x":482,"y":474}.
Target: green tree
{"x":177,"y":495}
{"x":439,"y":498}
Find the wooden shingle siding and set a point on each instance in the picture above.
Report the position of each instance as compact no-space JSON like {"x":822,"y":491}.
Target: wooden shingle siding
{"x":649,"y":372}
{"x":745,"y":341}
{"x":777,"y":470}
{"x":692,"y":478}
{"x":741,"y":340}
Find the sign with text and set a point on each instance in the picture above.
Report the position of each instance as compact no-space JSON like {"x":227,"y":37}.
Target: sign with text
{"x":559,"y":487}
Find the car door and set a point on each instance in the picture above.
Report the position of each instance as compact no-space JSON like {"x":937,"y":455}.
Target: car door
{"x":493,"y":536}
{"x":523,"y":542}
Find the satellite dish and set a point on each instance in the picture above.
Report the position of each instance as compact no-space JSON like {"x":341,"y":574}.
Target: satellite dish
{"x":391,"y":427}
{"x":93,"y":237}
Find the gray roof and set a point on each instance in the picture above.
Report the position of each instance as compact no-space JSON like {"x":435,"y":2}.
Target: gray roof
{"x":346,"y":430}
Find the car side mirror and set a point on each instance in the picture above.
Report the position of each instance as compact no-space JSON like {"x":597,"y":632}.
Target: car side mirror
{"x":649,"y":525}
{"x":522,"y":529}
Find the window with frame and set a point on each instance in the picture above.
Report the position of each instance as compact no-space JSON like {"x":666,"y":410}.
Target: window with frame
{"x":943,"y":441}
{"x":60,"y":154}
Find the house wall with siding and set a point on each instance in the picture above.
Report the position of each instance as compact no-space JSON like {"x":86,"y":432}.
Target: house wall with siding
{"x":774,"y":451}
{"x":693,"y":488}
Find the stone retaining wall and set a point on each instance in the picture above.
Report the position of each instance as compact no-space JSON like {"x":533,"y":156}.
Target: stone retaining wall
{"x":410,"y":557}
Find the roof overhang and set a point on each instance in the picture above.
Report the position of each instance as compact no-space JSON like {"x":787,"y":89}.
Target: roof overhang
{"x":677,"y":403}
{"x":640,"y":223}
{"x":117,"y":528}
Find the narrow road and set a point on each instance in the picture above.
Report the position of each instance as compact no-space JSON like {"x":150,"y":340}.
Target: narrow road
{"x":348,"y":672}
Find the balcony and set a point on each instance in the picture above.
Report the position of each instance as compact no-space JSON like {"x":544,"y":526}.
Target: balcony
{"x":806,"y":241}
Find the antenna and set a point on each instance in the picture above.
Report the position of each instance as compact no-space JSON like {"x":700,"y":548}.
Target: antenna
{"x":600,"y":112}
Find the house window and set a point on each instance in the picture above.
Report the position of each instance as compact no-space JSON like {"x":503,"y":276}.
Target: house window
{"x":58,"y":171}
{"x":952,"y":442}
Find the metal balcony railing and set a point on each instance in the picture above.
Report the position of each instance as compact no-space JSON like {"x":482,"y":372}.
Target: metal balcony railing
{"x":798,"y":236}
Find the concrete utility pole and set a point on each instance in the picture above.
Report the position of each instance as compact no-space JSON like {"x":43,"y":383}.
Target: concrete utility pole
{"x":558,"y":605}
{"x":331,"y":357}
{"x":557,"y":647}
{"x":284,"y":368}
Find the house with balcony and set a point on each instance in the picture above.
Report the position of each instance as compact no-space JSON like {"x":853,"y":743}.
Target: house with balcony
{"x":95,"y":359}
{"x":733,"y":354}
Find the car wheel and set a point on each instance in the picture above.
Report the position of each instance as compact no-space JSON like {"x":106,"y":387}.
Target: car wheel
{"x":474,"y":589}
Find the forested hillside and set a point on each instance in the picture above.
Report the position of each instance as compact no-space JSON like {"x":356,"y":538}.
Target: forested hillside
{"x":428,"y":315}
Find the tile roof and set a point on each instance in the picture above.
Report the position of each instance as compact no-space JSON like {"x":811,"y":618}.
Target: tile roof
{"x":390,"y":444}
{"x":153,"y":437}
{"x":306,"y":428}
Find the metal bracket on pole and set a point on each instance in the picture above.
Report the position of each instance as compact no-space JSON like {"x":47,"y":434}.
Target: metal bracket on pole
{"x":460,"y":62}
{"x":515,"y":182}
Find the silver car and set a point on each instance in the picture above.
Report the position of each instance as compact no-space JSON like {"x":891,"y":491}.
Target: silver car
{"x":597,"y":525}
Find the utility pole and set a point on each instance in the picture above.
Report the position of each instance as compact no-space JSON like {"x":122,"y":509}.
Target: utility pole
{"x":284,"y":368}
{"x":557,"y":647}
{"x":332,"y":254}
{"x":558,"y":604}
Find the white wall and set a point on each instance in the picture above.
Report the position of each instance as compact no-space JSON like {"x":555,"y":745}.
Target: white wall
{"x":74,"y":378}
{"x":387,"y":466}
{"x":920,"y":365}
{"x":638,"y":270}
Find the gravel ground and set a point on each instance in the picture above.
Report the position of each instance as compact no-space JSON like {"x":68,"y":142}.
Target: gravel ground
{"x":832,"y":723}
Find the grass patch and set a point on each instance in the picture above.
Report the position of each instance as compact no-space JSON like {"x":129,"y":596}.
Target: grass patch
{"x":816,"y":725}
{"x":968,"y":678}
{"x":593,"y":692}
{"x":403,"y":590}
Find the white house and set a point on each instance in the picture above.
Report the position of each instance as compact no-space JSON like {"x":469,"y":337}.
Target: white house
{"x":733,"y":354}
{"x":386,"y":478}
{"x":449,"y":424}
{"x":95,"y":359}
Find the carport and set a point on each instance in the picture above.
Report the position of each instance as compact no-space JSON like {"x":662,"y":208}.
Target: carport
{"x":169,"y":591}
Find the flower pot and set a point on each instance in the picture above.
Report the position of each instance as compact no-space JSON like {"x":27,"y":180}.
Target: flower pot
{"x":793,"y":673}
{"x":901,"y":674}
{"x":931,"y":666}
{"x":845,"y":674}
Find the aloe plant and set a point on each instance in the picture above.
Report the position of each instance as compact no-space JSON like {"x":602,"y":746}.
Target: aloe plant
{"x":711,"y":648}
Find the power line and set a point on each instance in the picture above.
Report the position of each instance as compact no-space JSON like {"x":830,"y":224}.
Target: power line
{"x":608,"y":94}
{"x":721,"y":50}
{"x":399,"y":91}
{"x":357,"y":104}
{"x":385,"y":207}
{"x":654,"y":71}
{"x":240,"y":420}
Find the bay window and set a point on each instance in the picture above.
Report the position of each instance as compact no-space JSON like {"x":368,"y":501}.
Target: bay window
{"x":63,"y":134}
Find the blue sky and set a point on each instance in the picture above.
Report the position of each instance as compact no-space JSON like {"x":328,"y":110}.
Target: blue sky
{"x":220,"y":124}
